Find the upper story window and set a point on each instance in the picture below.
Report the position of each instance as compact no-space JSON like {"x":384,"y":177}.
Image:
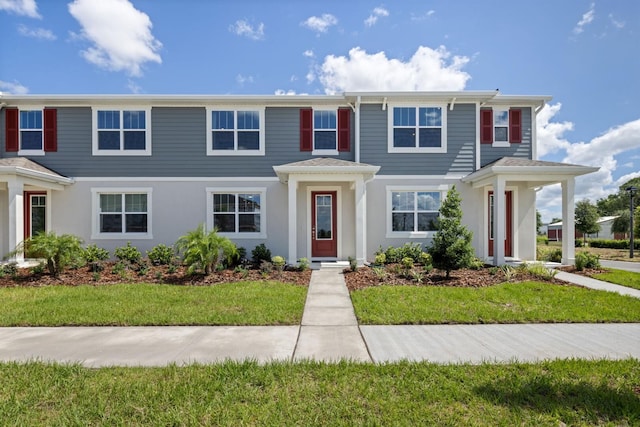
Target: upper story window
{"x":412,"y":212}
{"x":325,"y":131}
{"x":31,"y":132}
{"x":500,"y":126}
{"x":235,"y":132}
{"x":121,"y":213}
{"x":417,"y":129}
{"x":237,"y":212}
{"x":122,"y":132}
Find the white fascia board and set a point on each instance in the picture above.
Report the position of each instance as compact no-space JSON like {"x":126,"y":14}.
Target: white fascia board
{"x":40,"y":176}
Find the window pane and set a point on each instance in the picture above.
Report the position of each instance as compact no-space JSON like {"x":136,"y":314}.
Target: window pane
{"x":325,"y":140}
{"x":501,"y":134}
{"x":110,"y":203}
{"x":248,"y":120}
{"x":38,"y":214}
{"x":430,"y":137}
{"x":248,"y":202}
{"x":249,"y":223}
{"x":430,"y":116}
{"x":136,"y":223}
{"x":324,"y":120}
{"x":323,"y":222}
{"x":110,"y":223}
{"x":109,"y":140}
{"x":427,"y":221}
{"x":500,"y":118}
{"x":222,"y":140}
{"x":30,"y":119}
{"x":404,"y":116}
{"x":31,"y":140}
{"x":248,"y":141}
{"x":224,"y":203}
{"x":402,"y":200}
{"x":428,"y":201}
{"x":404,"y":137}
{"x":108,"y":119}
{"x":134,"y":120}
{"x":225,"y":222}
{"x":402,"y":221}
{"x":134,"y":140}
{"x":222,"y":120}
{"x":38,"y":200}
{"x":135,"y":202}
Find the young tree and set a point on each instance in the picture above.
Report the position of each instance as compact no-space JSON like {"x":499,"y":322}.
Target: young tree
{"x":538,"y":221}
{"x":58,"y":251}
{"x":204,"y":251}
{"x":586,"y":218}
{"x":451,"y":248}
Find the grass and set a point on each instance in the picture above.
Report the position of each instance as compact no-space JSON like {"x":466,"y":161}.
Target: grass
{"x":604,"y":253}
{"x":245,"y":303}
{"x":570,"y":392}
{"x":526,"y":302}
{"x":620,"y":277}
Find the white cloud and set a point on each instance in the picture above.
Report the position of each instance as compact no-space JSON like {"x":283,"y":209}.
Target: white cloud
{"x":38,"y":33}
{"x":311,"y":77}
{"x":618,"y":24}
{"x":427,"y":69}
{"x":551,"y":134}
{"x":241,"y":80}
{"x":134,"y":87}
{"x":21,"y":7}
{"x":587,"y":18}
{"x":243,"y":28}
{"x":320,"y":24}
{"x":308,"y":53}
{"x":120,"y":35}
{"x":285,"y":92}
{"x":424,"y":16}
{"x":377,"y":13}
{"x":14,"y":88}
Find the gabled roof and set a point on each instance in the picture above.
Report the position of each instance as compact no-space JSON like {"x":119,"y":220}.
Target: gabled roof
{"x":28,"y":168}
{"x":325,"y":166}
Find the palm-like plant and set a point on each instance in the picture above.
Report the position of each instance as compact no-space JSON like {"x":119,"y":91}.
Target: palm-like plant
{"x":58,"y":251}
{"x":202,"y":250}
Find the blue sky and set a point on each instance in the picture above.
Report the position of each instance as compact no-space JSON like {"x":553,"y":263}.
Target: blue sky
{"x":583,"y":53}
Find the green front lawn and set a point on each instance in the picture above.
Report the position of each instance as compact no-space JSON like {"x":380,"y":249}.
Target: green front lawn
{"x":573,"y":392}
{"x":620,"y":277}
{"x":525,"y":302}
{"x":243,"y":303}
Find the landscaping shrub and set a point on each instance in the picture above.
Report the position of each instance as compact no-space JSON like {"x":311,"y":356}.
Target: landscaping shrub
{"x":260,"y":253}
{"x":128,"y":253}
{"x":239,"y":258}
{"x":613,"y":244}
{"x":59,"y":252}
{"x":585,"y":259}
{"x":278,"y":262}
{"x":303,"y":264}
{"x":161,"y":255}
{"x":94,"y":256}
{"x":380,"y":259}
{"x":202,"y":250}
{"x":353,"y":264}
{"x":549,"y":254}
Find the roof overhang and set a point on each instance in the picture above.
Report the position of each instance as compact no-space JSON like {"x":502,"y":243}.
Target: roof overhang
{"x":323,"y":169}
{"x":32,"y":174}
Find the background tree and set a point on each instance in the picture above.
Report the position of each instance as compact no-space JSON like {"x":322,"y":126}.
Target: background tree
{"x":451,"y":248}
{"x":587,"y":218}
{"x":616,"y":203}
{"x":621,"y":223}
{"x":538,"y":221}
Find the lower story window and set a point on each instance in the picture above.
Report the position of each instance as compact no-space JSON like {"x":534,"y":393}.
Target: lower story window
{"x":125,"y":214}
{"x":237,"y":212}
{"x":414,"y":211}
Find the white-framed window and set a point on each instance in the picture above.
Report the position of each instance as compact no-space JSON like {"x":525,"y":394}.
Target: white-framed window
{"x":412,"y":212}
{"x":121,"y":213}
{"x":121,"y":132}
{"x":500,"y":126}
{"x":237,"y":212}
{"x":31,"y":132}
{"x":325,"y":131}
{"x":417,"y":128}
{"x":235,"y":131}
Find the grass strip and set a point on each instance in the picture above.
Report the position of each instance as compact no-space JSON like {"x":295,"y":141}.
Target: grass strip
{"x":525,"y":302}
{"x":244,"y":303}
{"x":620,"y":277}
{"x":570,"y":392}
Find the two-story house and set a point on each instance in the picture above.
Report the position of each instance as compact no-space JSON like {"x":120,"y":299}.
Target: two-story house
{"x":321,"y":177}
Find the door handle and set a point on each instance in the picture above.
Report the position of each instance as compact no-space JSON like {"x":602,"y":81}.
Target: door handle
{"x":313,"y":233}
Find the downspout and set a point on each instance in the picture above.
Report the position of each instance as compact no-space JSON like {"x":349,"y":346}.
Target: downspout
{"x":357,"y":130}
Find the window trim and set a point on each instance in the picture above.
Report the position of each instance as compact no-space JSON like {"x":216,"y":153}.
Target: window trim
{"x":21,"y":151}
{"x":235,"y":152}
{"x":121,"y":152}
{"x":390,"y":127}
{"x":210,"y":191}
{"x":95,"y":213}
{"x":506,"y":143}
{"x":390,"y":189}
{"x":324,"y":151}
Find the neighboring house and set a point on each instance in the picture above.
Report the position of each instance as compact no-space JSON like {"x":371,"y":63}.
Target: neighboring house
{"x":554,"y":231}
{"x":321,"y":177}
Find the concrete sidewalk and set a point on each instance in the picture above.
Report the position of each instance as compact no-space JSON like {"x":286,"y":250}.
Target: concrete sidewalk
{"x":328,"y":332}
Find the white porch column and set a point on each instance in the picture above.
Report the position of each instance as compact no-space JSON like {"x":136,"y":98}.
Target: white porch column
{"x":293,"y":220}
{"x":361,"y":221}
{"x":16,"y":215}
{"x":568,"y":222}
{"x":499,"y":221}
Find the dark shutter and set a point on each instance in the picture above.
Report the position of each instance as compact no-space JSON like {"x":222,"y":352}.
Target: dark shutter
{"x":486,"y":126}
{"x":306,"y":129}
{"x":515,"y":125}
{"x":50,"y":129}
{"x":344,"y":129}
{"x":11,"y":129}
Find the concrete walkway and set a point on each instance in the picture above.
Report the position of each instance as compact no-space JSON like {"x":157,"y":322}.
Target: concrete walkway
{"x":622,"y":265}
{"x":328,"y":332}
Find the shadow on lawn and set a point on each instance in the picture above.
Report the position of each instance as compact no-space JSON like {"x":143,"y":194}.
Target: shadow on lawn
{"x":570,"y":402}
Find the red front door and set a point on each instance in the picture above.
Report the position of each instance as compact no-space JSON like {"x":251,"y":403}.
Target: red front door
{"x":324,"y":242}
{"x":508,"y":241}
{"x":35,"y":213}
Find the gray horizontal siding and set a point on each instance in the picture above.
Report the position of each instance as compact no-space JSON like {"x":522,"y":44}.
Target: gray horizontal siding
{"x":178,"y":147}
{"x":459,"y":158}
{"x":490,"y":154}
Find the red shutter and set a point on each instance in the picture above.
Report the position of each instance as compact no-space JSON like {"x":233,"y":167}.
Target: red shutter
{"x":306,"y":129}
{"x":486,"y":126}
{"x":11,"y":129}
{"x":344,"y":129}
{"x":515,"y":125}
{"x":50,"y":129}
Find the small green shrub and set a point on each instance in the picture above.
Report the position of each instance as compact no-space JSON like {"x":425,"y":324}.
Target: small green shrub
{"x":37,"y":269}
{"x":541,"y":272}
{"x":613,"y":244}
{"x":278,"y":262}
{"x":10,"y":269}
{"x":379,"y":272}
{"x":380,"y":259}
{"x":206,"y":251}
{"x":392,"y":255}
{"x":549,"y":254}
{"x":143,"y":269}
{"x":425,"y":258}
{"x":417,"y":276}
{"x":353,"y":264}
{"x":95,"y":256}
{"x":407,"y":262}
{"x":266,"y":267}
{"x":239,"y":258}
{"x":585,"y":259}
{"x":161,"y":255}
{"x":59,"y":252}
{"x":476,"y":264}
{"x":260,"y":253}
{"x":544,"y":240}
{"x":128,"y":253}
{"x":508,"y":271}
{"x":243,"y":272}
{"x":303,"y":264}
